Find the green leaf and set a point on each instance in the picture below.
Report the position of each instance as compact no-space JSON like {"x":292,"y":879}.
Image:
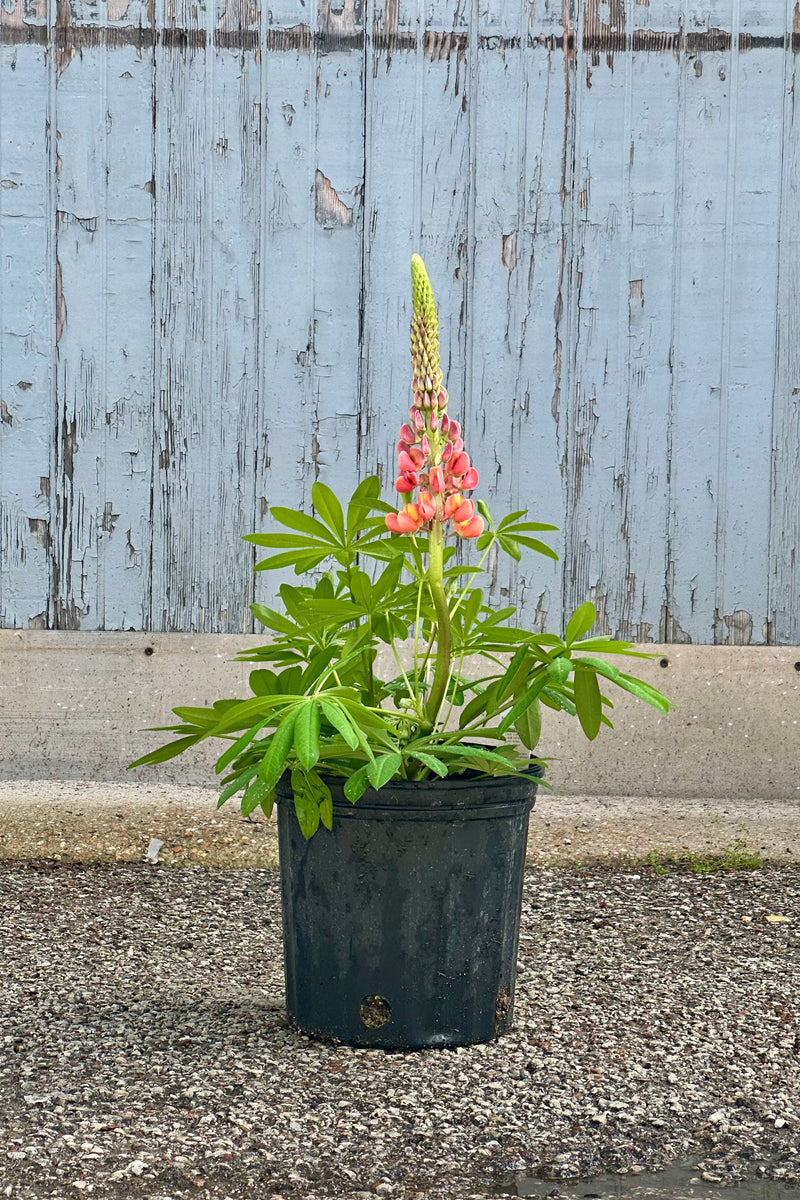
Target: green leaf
{"x":383,"y":769}
{"x":362,"y":502}
{"x":515,"y":672}
{"x":510,"y":546}
{"x":263,"y":682}
{"x":166,"y":752}
{"x":580,"y":622}
{"x":357,"y":784}
{"x":529,"y":726}
{"x":306,"y":734}
{"x":255,"y":795}
{"x":267,"y":804}
{"x":361,"y":589}
{"x":329,"y":508}
{"x":237,"y":747}
{"x":534,"y":544}
{"x":301,"y":560}
{"x":236,"y":784}
{"x":293,"y":518}
{"x":340,"y":721}
{"x":644,"y":691}
{"x":305,"y":805}
{"x":273,"y":764}
{"x":559,"y":669}
{"x":587,"y":701}
{"x":522,"y":705}
{"x":429,"y":761}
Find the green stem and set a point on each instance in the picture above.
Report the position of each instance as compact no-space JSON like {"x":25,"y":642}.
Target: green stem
{"x":441,"y":670}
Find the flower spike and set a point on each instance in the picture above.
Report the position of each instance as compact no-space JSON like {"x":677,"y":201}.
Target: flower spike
{"x":430,"y":451}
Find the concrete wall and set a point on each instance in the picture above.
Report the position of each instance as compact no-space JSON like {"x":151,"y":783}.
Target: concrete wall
{"x":206,"y":216}
{"x":73,"y":706}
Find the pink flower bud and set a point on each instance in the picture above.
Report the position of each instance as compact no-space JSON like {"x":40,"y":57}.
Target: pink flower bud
{"x":418,"y":419}
{"x":425,"y":447}
{"x":447,"y":453}
{"x":454,"y":431}
{"x":442,"y":398}
{"x":452,"y":503}
{"x":409,"y":519}
{"x":407,"y":435}
{"x":426,"y":505}
{"x":460,"y":464}
{"x":470,"y":529}
{"x":437,"y":480}
{"x":470,"y":479}
{"x":434,"y":421}
{"x":445,"y":423}
{"x":418,"y":399}
{"x":405,"y":483}
{"x":457,"y":444}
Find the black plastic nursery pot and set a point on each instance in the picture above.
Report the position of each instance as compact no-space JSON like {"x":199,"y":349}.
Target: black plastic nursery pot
{"x":401,"y":924}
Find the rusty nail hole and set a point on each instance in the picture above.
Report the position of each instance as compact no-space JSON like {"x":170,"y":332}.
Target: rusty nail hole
{"x":149,"y":650}
{"x":663,"y":662}
{"x":375,"y":1011}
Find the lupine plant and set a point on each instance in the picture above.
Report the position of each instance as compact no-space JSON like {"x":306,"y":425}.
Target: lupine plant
{"x":468,"y":685}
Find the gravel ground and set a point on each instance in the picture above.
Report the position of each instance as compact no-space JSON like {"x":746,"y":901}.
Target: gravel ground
{"x":144,"y":1050}
{"x":87,"y":821}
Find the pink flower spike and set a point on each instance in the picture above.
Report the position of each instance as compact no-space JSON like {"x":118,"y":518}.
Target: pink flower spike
{"x":460,"y":464}
{"x":437,"y":480}
{"x":405,"y":483}
{"x":470,"y":529}
{"x":407,"y":435}
{"x":470,"y":479}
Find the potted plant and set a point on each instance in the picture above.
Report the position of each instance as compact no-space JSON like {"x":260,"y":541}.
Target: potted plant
{"x":401,"y":914}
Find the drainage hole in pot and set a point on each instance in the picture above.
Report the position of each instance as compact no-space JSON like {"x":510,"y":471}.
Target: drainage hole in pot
{"x":375,"y":1011}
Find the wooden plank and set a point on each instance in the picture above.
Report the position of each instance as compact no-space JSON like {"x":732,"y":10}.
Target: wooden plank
{"x":391,"y":233}
{"x":751,"y":305}
{"x":27,"y":326}
{"x":100,"y":525}
{"x":508,"y":408}
{"x":698,"y":413}
{"x":783,"y":601}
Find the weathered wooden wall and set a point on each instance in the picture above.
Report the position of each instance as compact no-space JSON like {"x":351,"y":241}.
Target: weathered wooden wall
{"x":206,"y":217}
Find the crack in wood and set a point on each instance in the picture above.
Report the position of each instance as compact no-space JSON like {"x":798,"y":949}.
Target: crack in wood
{"x":68,"y":39}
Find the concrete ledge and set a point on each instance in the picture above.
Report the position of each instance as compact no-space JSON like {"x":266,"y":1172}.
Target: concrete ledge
{"x":74,"y":706}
